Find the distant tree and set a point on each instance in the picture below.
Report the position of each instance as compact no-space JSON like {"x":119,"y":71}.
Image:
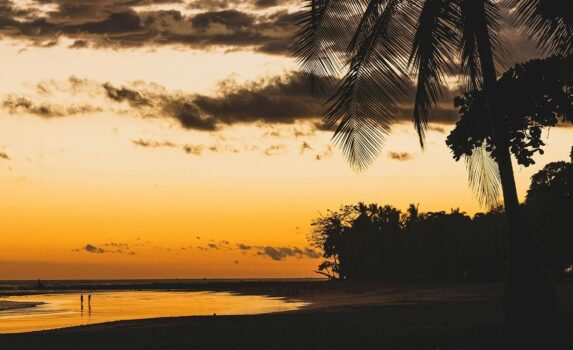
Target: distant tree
{"x":372,"y":242}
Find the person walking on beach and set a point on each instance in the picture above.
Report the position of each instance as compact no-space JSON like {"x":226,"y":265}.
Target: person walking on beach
{"x":90,"y":301}
{"x":82,"y":302}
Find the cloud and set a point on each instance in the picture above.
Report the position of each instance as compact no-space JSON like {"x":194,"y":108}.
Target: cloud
{"x":4,"y":155}
{"x":276,"y":253}
{"x":195,"y":150}
{"x":311,"y":253}
{"x":153,"y":144}
{"x":326,"y":153}
{"x":93,"y":249}
{"x":400,"y":156}
{"x":437,"y":128}
{"x":250,"y":4}
{"x":282,"y":99}
{"x":305,"y":146}
{"x":275,"y":100}
{"x":106,"y":248}
{"x":123,"y":24}
{"x":22,"y":105}
{"x":275,"y":150}
{"x":117,"y":246}
{"x":282,"y":253}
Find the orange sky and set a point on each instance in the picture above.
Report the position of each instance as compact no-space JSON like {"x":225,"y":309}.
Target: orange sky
{"x":81,"y":197}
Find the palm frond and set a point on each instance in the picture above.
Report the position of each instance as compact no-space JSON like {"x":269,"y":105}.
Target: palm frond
{"x":470,"y":62}
{"x":483,"y":177}
{"x":548,"y":22}
{"x":320,"y":42}
{"x":367,"y":22}
{"x":433,"y":57}
{"x":364,"y":106}
{"x":473,"y":15}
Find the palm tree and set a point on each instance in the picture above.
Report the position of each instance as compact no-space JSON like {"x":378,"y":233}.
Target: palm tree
{"x":378,"y":47}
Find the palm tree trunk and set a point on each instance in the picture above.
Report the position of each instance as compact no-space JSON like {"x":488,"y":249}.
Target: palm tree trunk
{"x":529,"y":298}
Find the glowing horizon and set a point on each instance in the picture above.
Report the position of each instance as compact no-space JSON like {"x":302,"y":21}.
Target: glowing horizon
{"x":219,"y":143}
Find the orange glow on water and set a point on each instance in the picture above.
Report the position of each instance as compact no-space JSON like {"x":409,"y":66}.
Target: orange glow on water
{"x":64,"y":310}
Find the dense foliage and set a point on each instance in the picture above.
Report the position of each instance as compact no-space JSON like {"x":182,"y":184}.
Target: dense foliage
{"x":537,"y":94}
{"x":549,"y":207}
{"x":381,"y":242}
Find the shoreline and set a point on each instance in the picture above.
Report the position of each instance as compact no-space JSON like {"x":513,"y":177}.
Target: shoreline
{"x":320,"y":294}
{"x":6,"y":305}
{"x":340,"y":316}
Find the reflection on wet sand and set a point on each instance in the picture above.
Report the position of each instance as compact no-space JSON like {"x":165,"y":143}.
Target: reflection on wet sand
{"x":65,"y":310}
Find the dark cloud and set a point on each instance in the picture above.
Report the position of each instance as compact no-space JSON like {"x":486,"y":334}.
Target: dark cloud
{"x":4,"y":155}
{"x":79,"y":44}
{"x":275,"y":100}
{"x":117,"y":246}
{"x":230,"y":23}
{"x":400,"y":156}
{"x":195,"y":150}
{"x":123,"y":24}
{"x":276,"y":253}
{"x":134,"y":98}
{"x":311,"y":253}
{"x":232,"y":19}
{"x":153,"y":144}
{"x":226,"y":4}
{"x":18,"y":105}
{"x":93,"y":249}
{"x":282,"y":253}
{"x":212,"y":245}
{"x":112,"y":248}
{"x":189,"y":115}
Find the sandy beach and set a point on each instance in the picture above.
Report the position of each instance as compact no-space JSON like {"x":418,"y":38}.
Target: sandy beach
{"x":339,"y":316}
{"x":9,"y":305}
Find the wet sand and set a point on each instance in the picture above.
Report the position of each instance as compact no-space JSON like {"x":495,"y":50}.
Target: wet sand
{"x":342,"y":316}
{"x":62,"y":310}
{"x":13,"y":305}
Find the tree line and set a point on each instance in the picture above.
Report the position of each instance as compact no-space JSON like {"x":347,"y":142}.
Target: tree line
{"x":374,"y":242}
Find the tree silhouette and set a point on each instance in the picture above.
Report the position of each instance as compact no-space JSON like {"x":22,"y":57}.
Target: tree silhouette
{"x":376,"y":43}
{"x":537,"y":94}
{"x":549,"y":206}
{"x":381,"y":243}
{"x":372,"y":242}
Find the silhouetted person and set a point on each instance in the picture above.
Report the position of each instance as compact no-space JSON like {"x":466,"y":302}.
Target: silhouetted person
{"x":82,"y":302}
{"x":89,"y":301}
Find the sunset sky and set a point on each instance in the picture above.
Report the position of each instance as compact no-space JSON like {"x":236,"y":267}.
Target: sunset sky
{"x":174,"y":139}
